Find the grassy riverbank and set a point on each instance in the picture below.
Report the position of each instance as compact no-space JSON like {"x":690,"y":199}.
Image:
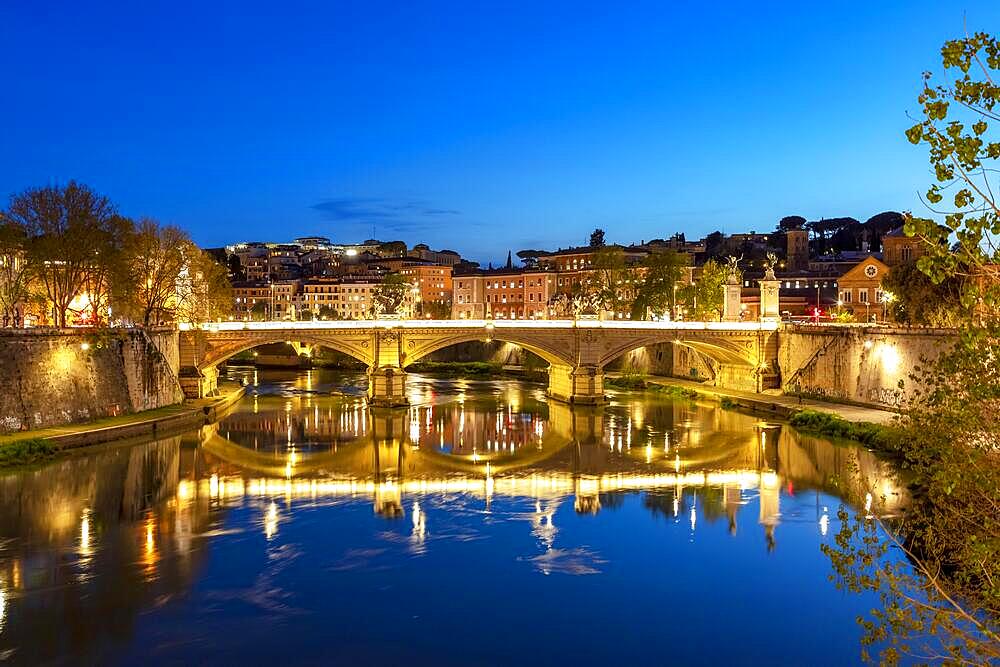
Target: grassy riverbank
{"x":883,"y":438}
{"x":26,"y":452}
{"x":635,"y":383}
{"x":30,"y":447}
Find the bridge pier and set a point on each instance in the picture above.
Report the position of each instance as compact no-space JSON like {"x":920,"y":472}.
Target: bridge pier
{"x":387,"y":387}
{"x":199,"y":382}
{"x":578,"y":385}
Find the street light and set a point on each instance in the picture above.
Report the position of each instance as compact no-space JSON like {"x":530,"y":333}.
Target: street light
{"x":887,"y":298}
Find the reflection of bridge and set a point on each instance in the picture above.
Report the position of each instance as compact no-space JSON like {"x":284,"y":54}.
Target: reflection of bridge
{"x":580,"y":452}
{"x":577,"y":351}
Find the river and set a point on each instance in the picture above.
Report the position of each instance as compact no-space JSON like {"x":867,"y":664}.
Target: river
{"x":482,"y":525}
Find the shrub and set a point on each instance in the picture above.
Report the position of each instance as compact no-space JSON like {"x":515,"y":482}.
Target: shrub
{"x":23,"y":452}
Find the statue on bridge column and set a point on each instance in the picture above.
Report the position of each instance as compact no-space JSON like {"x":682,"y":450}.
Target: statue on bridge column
{"x":733,"y":298}
{"x":770,"y":305}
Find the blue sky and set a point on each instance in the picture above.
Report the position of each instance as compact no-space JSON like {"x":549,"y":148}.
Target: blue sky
{"x":473,"y":126}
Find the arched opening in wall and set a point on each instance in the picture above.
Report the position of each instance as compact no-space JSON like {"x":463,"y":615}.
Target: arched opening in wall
{"x":655,"y":359}
{"x":698,"y":360}
{"x":481,"y":357}
{"x":294,"y":355}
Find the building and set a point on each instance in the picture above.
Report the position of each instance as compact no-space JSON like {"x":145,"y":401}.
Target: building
{"x":441,"y":257}
{"x":468,"y":299}
{"x":573,"y":259}
{"x":860,"y":289}
{"x":898,"y":248}
{"x":512,"y":294}
{"x":434,"y":287}
{"x":796,"y":250}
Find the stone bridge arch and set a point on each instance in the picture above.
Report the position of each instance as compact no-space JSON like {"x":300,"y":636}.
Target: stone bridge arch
{"x":577,"y":352}
{"x":218,"y":351}
{"x":556,"y":352}
{"x":743,"y":360}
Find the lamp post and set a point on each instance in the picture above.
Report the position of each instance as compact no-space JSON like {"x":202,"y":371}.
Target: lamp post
{"x":817,"y":302}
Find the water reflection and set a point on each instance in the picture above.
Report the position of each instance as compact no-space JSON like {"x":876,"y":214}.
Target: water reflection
{"x":96,"y":541}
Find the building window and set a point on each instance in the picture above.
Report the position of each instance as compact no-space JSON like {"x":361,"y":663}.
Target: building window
{"x":845,"y":296}
{"x":863,"y":295}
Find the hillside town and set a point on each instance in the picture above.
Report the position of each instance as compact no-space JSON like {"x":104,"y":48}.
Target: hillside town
{"x":837,"y":269}
{"x":842,"y":277}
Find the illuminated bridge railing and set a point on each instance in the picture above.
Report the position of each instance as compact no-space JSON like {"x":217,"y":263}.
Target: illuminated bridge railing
{"x":342,"y":325}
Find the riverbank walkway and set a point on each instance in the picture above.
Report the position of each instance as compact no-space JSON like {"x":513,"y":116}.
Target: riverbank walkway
{"x":780,"y":403}
{"x":123,"y":426}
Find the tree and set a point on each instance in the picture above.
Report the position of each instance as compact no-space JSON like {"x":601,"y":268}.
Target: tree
{"x":260,"y":310}
{"x":529,"y":257}
{"x":15,"y":271}
{"x":434,"y":310}
{"x":916,"y":299}
{"x":790,"y":222}
{"x":68,"y":229}
{"x":157,"y":256}
{"x":664,"y":272}
{"x":597,"y":238}
{"x":109,"y":270}
{"x":236,"y":271}
{"x":204,"y":292}
{"x":704,"y":299}
{"x":943,"y":605}
{"x":609,"y":284}
{"x":715,"y":244}
{"x":327,"y":312}
{"x":881,"y":224}
{"x":956,"y":130}
{"x":848,"y":229}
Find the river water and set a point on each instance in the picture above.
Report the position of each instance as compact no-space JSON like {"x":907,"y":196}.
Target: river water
{"x":483,"y":525}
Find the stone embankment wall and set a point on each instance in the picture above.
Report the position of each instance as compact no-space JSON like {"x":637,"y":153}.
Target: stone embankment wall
{"x":865,"y":365}
{"x":51,"y":377}
{"x":868,"y":365}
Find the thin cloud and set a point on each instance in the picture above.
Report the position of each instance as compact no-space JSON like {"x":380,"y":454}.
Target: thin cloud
{"x":368,"y":209}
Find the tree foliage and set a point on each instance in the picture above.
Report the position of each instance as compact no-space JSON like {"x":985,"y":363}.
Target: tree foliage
{"x":918,"y":300}
{"x":662,"y":277}
{"x":157,"y":256}
{"x":72,"y":233}
{"x":597,"y":238}
{"x":15,"y":270}
{"x":957,"y":117}
{"x":704,"y":299}
{"x":942,"y":604}
{"x":609,"y":285}
{"x":790,"y":222}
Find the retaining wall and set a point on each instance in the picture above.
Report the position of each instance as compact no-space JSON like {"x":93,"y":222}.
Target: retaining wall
{"x":51,"y":377}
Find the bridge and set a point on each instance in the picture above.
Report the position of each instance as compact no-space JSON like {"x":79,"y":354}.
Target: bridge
{"x":577,"y":350}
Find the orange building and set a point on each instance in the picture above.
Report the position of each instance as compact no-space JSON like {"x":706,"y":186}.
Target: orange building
{"x":860,"y":289}
{"x":513,"y":294}
{"x":433,"y":284}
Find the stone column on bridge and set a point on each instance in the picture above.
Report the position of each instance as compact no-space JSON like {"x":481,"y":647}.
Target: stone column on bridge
{"x":733,"y":299}
{"x":770,"y":305}
{"x":579,"y":385}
